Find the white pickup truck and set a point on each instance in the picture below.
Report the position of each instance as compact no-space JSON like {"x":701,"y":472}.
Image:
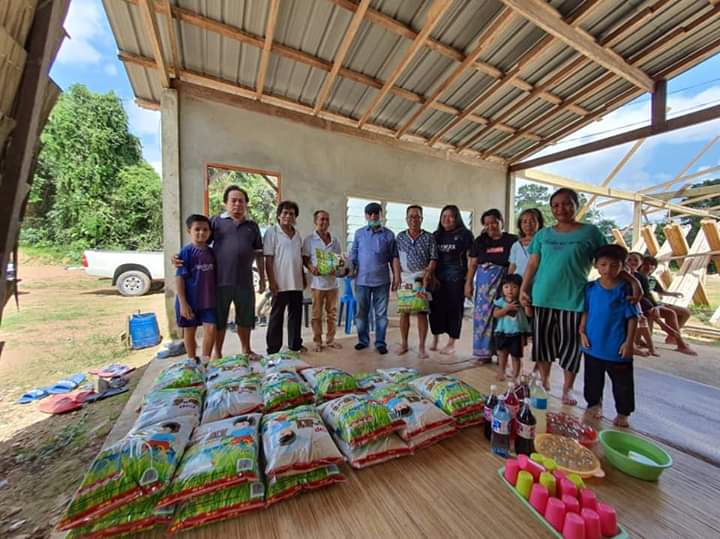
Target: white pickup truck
{"x":132,"y":272}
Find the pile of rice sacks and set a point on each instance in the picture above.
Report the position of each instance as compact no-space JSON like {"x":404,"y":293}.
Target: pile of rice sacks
{"x":232,"y":389}
{"x":367,"y":381}
{"x":283,"y":361}
{"x":219,"y":476}
{"x":283,"y":389}
{"x":329,"y":383}
{"x":119,"y":492}
{"x":363,"y":430}
{"x":399,"y":375}
{"x":423,"y":422}
{"x":453,"y":396}
{"x":299,"y":453}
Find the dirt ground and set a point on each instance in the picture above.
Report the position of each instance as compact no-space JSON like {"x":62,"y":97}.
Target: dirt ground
{"x":67,"y":323}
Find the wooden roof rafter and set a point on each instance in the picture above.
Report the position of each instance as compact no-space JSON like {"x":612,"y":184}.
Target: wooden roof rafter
{"x":272,"y":16}
{"x":172,"y":36}
{"x":151,"y":26}
{"x":347,"y":40}
{"x":542,"y":14}
{"x":483,"y":40}
{"x":435,"y":12}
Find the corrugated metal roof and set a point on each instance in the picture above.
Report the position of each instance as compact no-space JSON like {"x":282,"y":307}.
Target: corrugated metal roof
{"x":308,"y":34}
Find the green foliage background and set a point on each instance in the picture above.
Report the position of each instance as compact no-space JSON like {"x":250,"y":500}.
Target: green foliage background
{"x":263,"y":198}
{"x":532,"y":195}
{"x":92,"y":189}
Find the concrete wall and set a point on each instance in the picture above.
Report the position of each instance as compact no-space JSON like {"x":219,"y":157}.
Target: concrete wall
{"x":320,"y":169}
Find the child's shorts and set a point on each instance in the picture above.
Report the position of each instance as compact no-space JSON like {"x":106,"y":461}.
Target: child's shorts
{"x":203,"y":316}
{"x":512,"y":344}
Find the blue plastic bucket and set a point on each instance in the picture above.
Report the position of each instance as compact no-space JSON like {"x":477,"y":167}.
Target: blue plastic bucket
{"x":144,"y":331}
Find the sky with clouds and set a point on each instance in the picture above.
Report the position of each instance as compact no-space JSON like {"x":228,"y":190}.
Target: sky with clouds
{"x":88,"y":56}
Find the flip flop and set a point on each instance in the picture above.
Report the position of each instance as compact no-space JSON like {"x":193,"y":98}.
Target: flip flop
{"x":111,"y":392}
{"x":33,"y":395}
{"x":112,"y":370}
{"x":67,"y":384}
{"x":67,"y":402}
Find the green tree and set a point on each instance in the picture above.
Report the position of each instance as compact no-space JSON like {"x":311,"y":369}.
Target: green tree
{"x":532,"y":195}
{"x":91,"y":187}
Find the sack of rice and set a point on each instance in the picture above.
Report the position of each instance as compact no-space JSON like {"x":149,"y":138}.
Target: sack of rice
{"x":375,"y":451}
{"x":220,"y":455}
{"x":367,"y":381}
{"x":429,"y":437}
{"x":284,"y":389}
{"x":329,"y":382}
{"x":135,"y":517}
{"x":218,"y":505}
{"x":416,"y":412}
{"x":232,"y":397}
{"x":295,"y":441}
{"x":399,"y":375}
{"x":184,"y":373}
{"x":470,"y":419}
{"x":139,"y":465}
{"x":165,"y":404}
{"x":451,"y":395}
{"x":357,"y":420}
{"x":280,"y":488}
{"x":219,"y":370}
{"x":283,"y":361}
{"x":413,"y":300}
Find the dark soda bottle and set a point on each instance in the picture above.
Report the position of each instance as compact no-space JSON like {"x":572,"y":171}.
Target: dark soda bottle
{"x":490,"y":403}
{"x":511,"y":400}
{"x":522,"y":391}
{"x":525,"y":430}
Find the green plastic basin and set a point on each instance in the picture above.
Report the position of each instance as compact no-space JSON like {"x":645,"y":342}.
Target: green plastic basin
{"x":633,"y":455}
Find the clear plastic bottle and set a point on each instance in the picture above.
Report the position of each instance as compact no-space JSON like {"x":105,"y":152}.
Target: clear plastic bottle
{"x":500,"y":440}
{"x":490,"y":403}
{"x":525,"y":439}
{"x":538,"y":405}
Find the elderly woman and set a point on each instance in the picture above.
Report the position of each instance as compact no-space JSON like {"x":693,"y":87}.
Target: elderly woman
{"x":487,"y":264}
{"x":453,"y":241}
{"x":554,"y":283}
{"x":528,"y":223}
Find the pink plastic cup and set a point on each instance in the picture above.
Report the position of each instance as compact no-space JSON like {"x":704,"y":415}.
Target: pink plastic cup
{"x":555,"y":513}
{"x":571,"y":503}
{"x":530,"y":466}
{"x":608,"y":519}
{"x":588,"y":499}
{"x":592,"y":524}
{"x":573,"y":527}
{"x":567,"y":488}
{"x":511,"y":471}
{"x":538,"y":497}
{"x":558,"y":475}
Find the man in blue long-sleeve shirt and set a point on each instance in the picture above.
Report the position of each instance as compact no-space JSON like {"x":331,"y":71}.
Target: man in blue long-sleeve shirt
{"x":371,"y":258}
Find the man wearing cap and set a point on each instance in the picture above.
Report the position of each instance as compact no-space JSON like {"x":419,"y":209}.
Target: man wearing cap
{"x":371,"y":262}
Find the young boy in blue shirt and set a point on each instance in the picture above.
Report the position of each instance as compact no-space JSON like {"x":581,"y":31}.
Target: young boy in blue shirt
{"x":195,"y":282}
{"x":607,"y":332}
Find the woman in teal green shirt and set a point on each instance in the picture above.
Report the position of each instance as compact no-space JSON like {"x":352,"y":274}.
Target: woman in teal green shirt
{"x":561,"y":257}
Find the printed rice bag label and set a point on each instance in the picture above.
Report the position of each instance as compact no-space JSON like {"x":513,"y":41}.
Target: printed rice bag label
{"x":451,"y":395}
{"x":356,"y":420}
{"x":219,"y":370}
{"x":280,"y":488}
{"x":399,"y":375}
{"x":296,"y":439}
{"x":134,"y":517}
{"x":220,"y":454}
{"x":167,"y":404}
{"x":232,"y":397}
{"x":374,"y":452}
{"x":284,"y":389}
{"x":412,"y":301}
{"x":329,"y":382}
{"x":370,"y":380}
{"x":140,"y":464}
{"x":327,"y":262}
{"x":184,"y":373}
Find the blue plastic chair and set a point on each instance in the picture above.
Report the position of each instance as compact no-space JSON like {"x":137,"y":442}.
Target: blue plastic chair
{"x":348,"y":303}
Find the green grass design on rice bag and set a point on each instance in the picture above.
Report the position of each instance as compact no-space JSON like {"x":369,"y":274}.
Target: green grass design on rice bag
{"x":355,"y":419}
{"x":223,"y":451}
{"x":469,"y":418}
{"x":182,"y":374}
{"x":282,"y":389}
{"x":330,"y":380}
{"x":137,"y":511}
{"x":214,"y":502}
{"x":450,"y":394}
{"x":279,"y":485}
{"x":238,"y":360}
{"x":279,"y":356}
{"x":368,"y":380}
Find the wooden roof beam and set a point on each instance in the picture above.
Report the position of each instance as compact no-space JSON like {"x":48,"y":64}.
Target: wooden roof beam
{"x":340,"y":54}
{"x":546,"y":17}
{"x":147,"y":104}
{"x":435,"y":12}
{"x":172,"y":36}
{"x":151,"y":27}
{"x":499,"y":24}
{"x":271,"y":22}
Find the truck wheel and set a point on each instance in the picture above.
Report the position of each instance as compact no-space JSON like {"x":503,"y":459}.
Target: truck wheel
{"x":133,"y":283}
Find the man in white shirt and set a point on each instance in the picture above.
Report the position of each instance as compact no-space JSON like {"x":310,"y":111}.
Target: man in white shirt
{"x":282,"y":247}
{"x":324,"y":286}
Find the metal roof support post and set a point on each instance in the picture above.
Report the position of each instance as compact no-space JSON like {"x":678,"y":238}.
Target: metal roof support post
{"x":171,"y":197}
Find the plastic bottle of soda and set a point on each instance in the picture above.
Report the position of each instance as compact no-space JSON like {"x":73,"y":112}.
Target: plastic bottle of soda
{"x":525,"y":439}
{"x":490,"y":404}
{"x":511,"y":400}
{"x":538,"y":405}
{"x":500,"y":440}
{"x":522,"y":391}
